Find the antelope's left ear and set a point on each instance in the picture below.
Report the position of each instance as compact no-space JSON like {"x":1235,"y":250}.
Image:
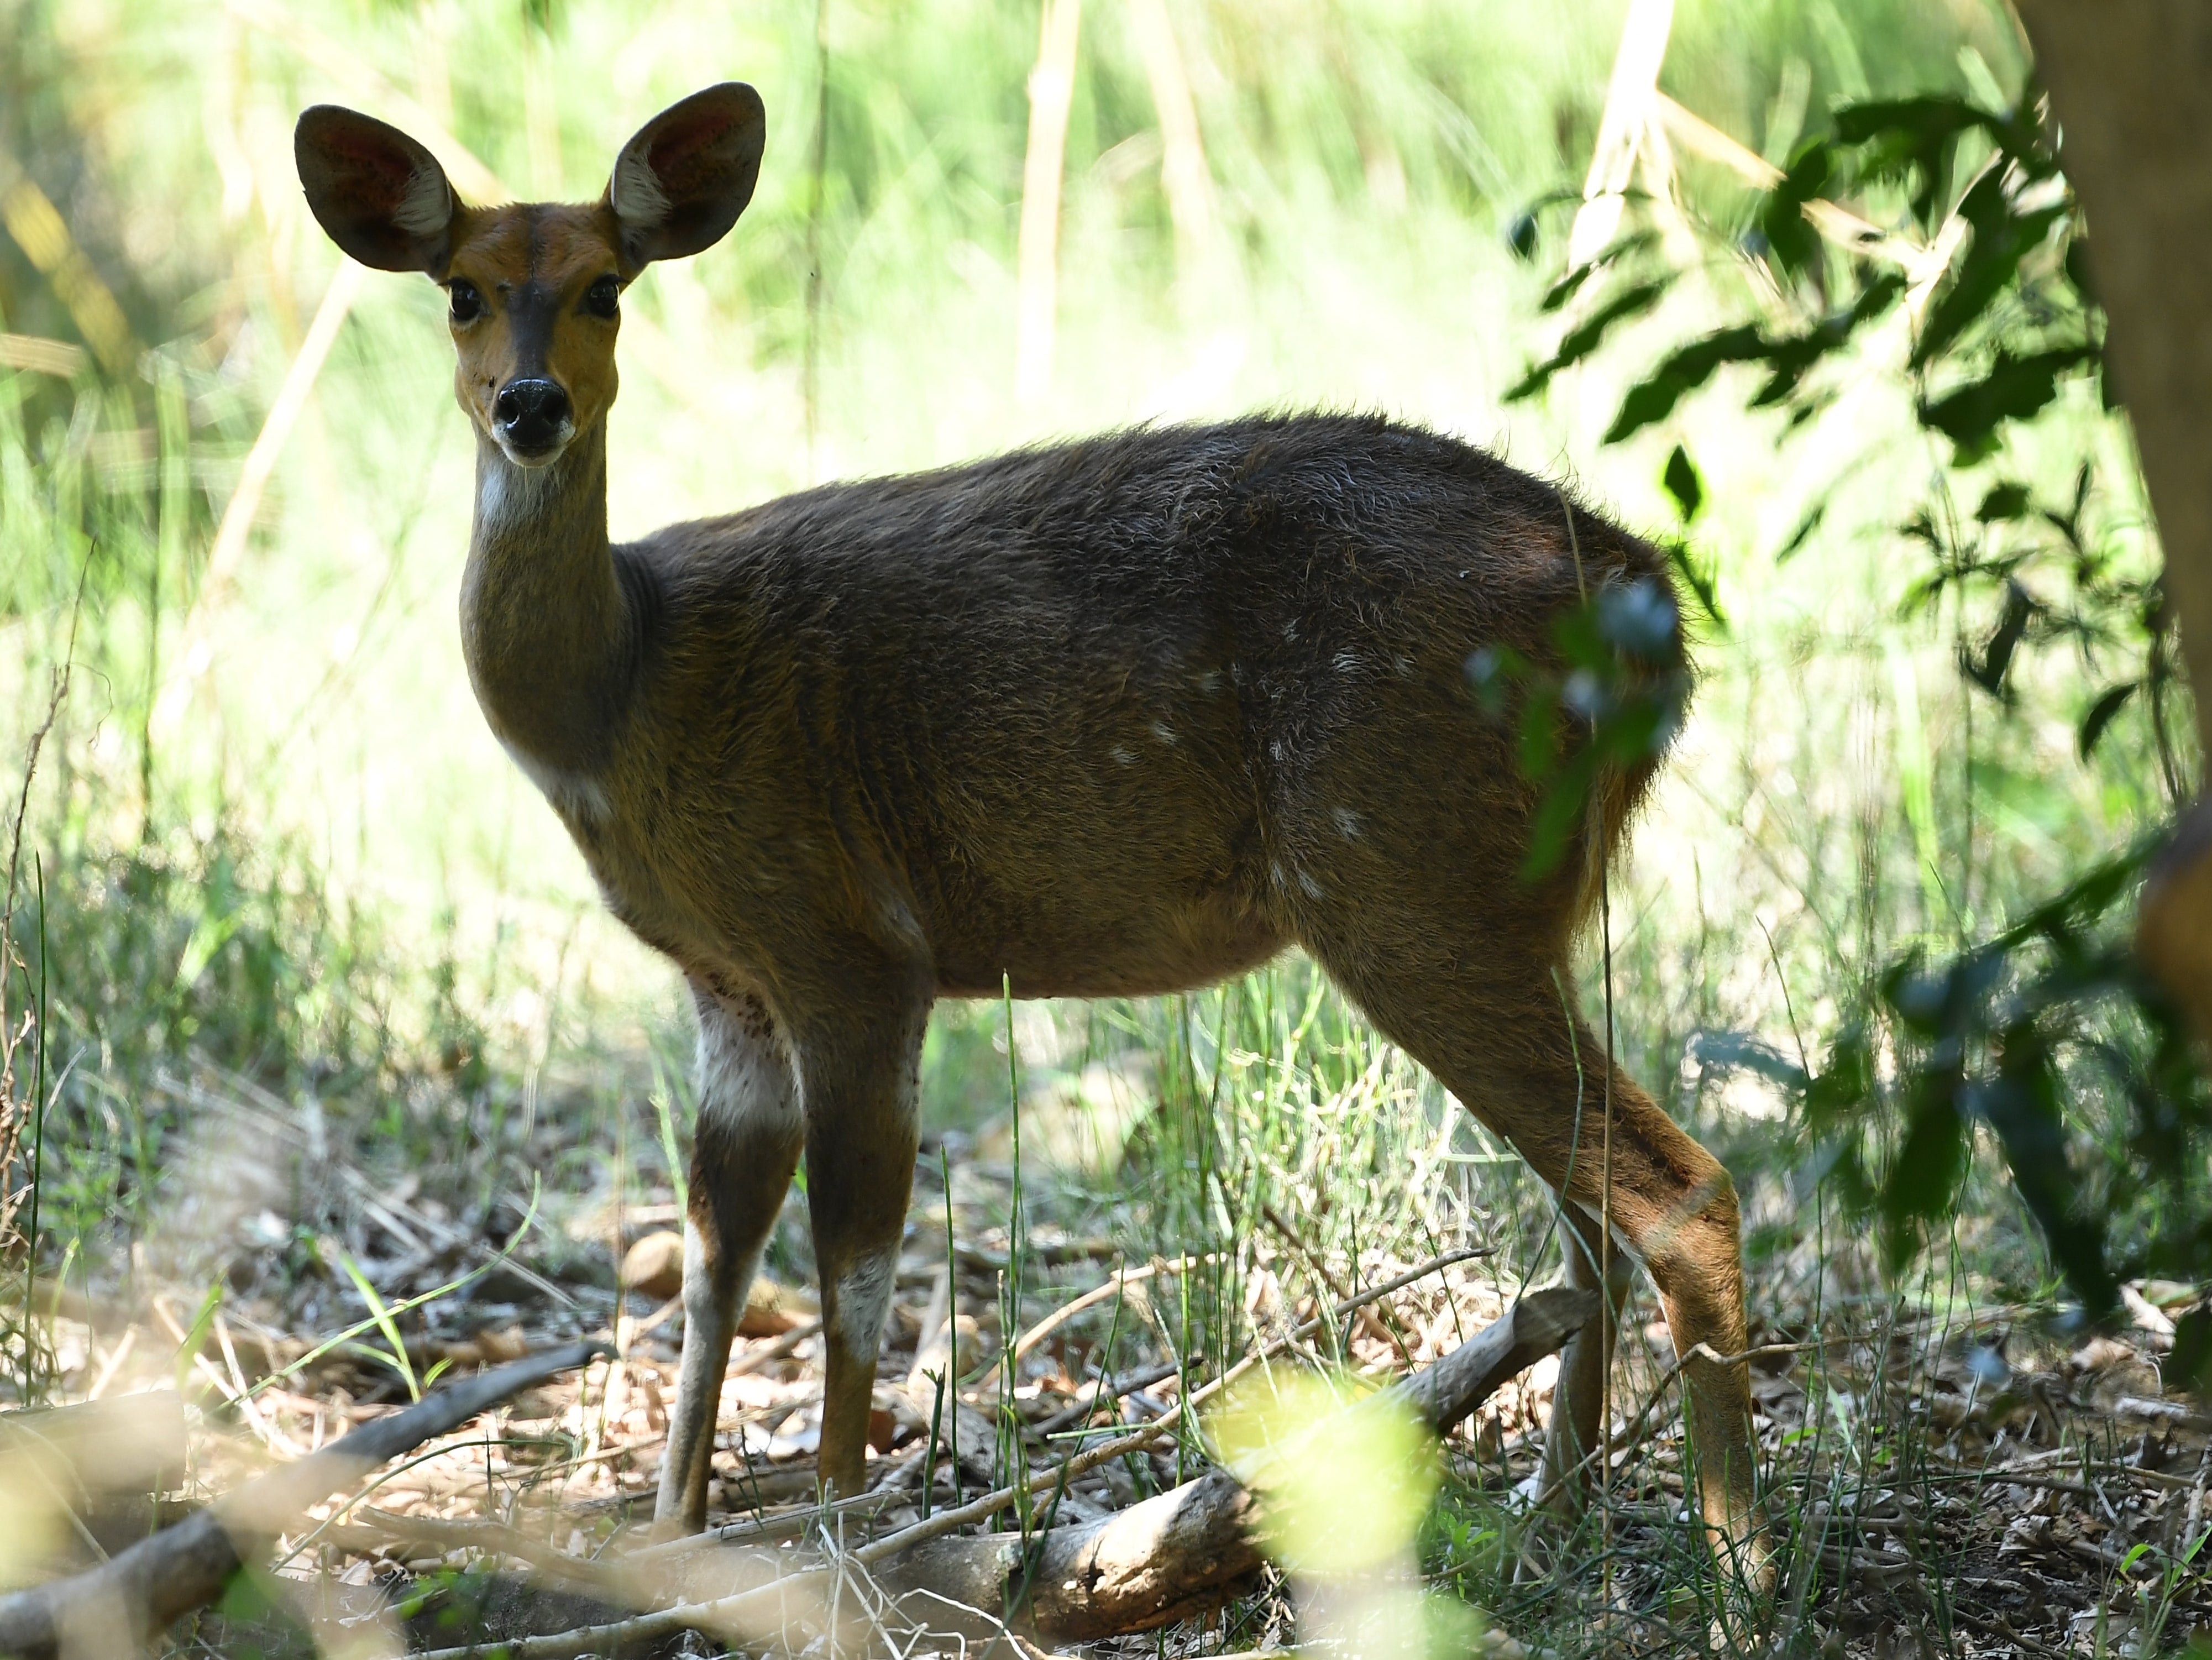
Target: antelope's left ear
{"x":681,"y":182}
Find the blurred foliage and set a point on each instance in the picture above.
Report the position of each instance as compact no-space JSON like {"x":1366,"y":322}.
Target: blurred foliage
{"x":1609,"y":709}
{"x":2017,"y":1033}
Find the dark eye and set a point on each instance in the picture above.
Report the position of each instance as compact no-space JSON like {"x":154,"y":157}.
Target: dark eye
{"x":604,"y":297}
{"x":468,"y":304}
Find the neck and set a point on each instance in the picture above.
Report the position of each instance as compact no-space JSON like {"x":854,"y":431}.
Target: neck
{"x":550,"y":640}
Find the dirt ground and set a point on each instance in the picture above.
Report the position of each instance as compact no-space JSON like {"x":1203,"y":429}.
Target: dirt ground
{"x":1964,"y":1485}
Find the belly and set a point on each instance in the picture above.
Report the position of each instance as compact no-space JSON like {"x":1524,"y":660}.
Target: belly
{"x":1143,"y":956}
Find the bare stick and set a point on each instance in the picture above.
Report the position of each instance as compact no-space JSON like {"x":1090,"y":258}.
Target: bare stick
{"x":140,"y":1591}
{"x":372,"y":1529}
{"x":753,"y":1360}
{"x":1533,"y":1326}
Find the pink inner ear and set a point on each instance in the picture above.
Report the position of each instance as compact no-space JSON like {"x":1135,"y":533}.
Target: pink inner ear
{"x":678,"y":154}
{"x":376,"y":168}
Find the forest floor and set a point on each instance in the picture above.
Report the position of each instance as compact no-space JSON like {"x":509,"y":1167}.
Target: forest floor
{"x":1958,"y":1482}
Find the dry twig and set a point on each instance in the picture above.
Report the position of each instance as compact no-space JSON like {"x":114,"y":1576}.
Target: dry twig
{"x":113,"y":1609}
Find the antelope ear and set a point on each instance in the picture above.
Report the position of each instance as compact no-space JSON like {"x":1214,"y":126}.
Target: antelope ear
{"x":681,"y":182}
{"x":381,"y":196}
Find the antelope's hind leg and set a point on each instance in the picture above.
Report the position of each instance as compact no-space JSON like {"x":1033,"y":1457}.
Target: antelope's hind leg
{"x":1488,"y":1018}
{"x":744,"y":1151}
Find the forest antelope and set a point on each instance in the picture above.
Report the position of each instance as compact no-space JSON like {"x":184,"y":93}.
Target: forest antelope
{"x":1111,"y":717}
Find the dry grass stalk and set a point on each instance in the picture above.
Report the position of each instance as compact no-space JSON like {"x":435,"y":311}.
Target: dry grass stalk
{"x":18,"y":1108}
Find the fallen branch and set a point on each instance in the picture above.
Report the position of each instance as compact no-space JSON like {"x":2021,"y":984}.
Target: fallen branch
{"x":1177,"y":1555}
{"x":1154,"y":1562}
{"x":124,"y":1600}
{"x":1107,"y":1391}
{"x":1536,"y":1325}
{"x":1183,"y":1552}
{"x":373,"y":1531}
{"x":128,"y":1443}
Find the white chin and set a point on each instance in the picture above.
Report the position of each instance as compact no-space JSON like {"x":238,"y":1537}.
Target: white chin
{"x":533,"y":458}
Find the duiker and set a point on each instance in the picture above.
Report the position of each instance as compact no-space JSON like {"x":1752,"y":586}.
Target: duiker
{"x":1111,"y":717}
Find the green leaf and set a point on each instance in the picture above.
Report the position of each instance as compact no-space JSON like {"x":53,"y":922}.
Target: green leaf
{"x":2015,"y":388}
{"x":1521,"y":236}
{"x":385,"y":1324}
{"x":1559,"y":815}
{"x":1587,"y":336}
{"x":293,"y":1368}
{"x":1790,"y":358}
{"x":1566,"y":287}
{"x":2021,"y":608}
{"x":1794,"y":244}
{"x":196,"y":1334}
{"x":2022,"y":1106}
{"x":1700,"y":578}
{"x":1540,"y":734}
{"x":1682,"y":483}
{"x":1913,"y":139}
{"x":1806,"y":527}
{"x":2101,"y":714}
{"x":2002,"y":237}
{"x":1930,"y":1162}
{"x":2077,"y":269}
{"x":1680,"y":372}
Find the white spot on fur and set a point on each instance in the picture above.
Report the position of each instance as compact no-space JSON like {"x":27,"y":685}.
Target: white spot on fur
{"x":1346,"y":662}
{"x":1124,"y":754}
{"x":426,"y":206}
{"x":864,"y":1295}
{"x":1347,"y":822}
{"x":1314,"y":890}
{"x":1164,"y":731}
{"x":744,"y":1079}
{"x":1210,"y":682}
{"x":899,"y":917}
{"x":1275,"y":869}
{"x":574,"y":794}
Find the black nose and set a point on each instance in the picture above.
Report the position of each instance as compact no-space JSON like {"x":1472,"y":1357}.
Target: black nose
{"x":531,"y":413}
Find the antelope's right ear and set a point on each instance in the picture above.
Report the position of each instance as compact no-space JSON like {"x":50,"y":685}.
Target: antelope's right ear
{"x":381,"y":196}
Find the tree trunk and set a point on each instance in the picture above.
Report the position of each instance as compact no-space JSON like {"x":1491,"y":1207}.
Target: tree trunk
{"x":2131,"y":84}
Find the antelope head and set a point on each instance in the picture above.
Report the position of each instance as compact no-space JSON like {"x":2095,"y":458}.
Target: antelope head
{"x":535,"y":290}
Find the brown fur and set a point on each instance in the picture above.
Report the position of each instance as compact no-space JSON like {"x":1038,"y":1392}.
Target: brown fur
{"x":1110,"y":718}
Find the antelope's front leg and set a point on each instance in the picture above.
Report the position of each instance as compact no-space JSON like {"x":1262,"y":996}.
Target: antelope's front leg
{"x":743,"y":1153}
{"x":858,"y":1082}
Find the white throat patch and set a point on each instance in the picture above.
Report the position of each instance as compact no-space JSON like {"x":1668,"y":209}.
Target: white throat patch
{"x":508,"y":496}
